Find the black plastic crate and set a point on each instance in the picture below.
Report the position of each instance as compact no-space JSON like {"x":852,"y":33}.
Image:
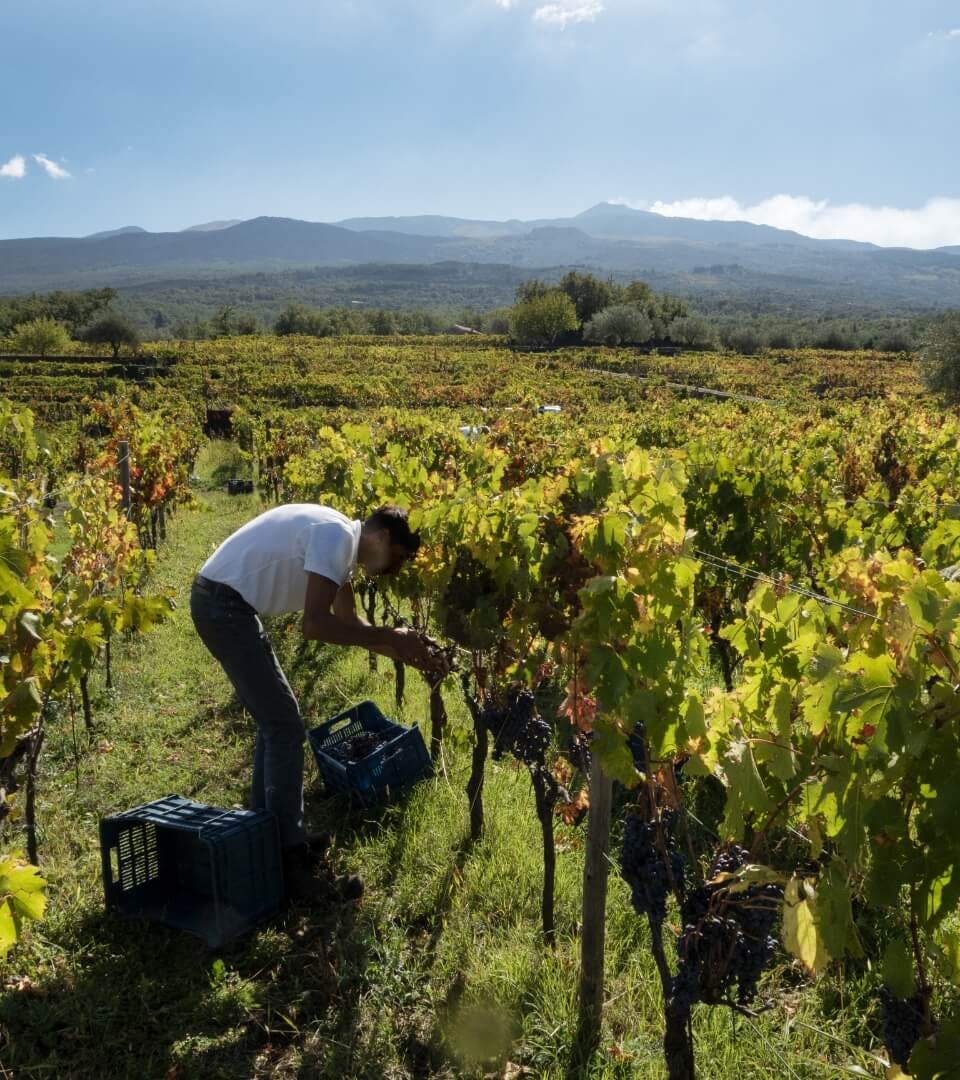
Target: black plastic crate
{"x":239,"y":487}
{"x":214,"y":873}
{"x":401,"y":761}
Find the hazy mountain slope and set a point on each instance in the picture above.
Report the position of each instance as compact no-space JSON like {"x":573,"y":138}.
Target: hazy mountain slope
{"x":606,"y":239}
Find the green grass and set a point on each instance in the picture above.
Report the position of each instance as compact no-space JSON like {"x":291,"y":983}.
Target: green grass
{"x":438,"y":973}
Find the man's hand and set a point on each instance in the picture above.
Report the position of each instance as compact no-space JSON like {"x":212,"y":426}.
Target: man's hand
{"x":330,"y":615}
{"x":413,"y":648}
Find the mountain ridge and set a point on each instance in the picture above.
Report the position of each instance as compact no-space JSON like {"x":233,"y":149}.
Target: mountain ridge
{"x":606,"y":238}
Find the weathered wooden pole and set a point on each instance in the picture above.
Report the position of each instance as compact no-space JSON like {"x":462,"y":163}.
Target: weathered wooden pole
{"x":123,"y":466}
{"x":592,"y":935}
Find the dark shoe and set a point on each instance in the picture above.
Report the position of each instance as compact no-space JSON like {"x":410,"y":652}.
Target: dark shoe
{"x":305,"y":886}
{"x":350,"y":888}
{"x":318,"y":842}
{"x":300,"y":878}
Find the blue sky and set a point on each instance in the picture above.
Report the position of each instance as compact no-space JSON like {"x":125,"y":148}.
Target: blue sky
{"x":839,"y":118}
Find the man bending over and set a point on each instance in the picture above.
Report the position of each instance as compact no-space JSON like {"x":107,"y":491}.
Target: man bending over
{"x":299,"y":557}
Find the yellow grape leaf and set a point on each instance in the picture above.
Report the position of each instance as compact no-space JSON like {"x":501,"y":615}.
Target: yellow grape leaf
{"x":21,"y":896}
{"x":9,"y":931}
{"x":894,"y":1072}
{"x":800,"y":936}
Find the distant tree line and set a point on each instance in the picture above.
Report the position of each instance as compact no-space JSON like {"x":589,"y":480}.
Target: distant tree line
{"x":43,"y":325}
{"x":298,"y":318}
{"x":580,"y":307}
{"x":73,"y":310}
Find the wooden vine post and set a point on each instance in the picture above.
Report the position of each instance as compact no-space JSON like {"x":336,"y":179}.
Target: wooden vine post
{"x":595,"y":870}
{"x":123,"y":465}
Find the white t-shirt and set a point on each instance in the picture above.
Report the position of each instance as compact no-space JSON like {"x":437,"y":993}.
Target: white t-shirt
{"x":267,"y":560}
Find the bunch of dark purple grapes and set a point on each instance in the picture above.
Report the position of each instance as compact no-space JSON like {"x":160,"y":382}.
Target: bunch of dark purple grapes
{"x":578,"y":750}
{"x":637,"y":743}
{"x":516,"y":727}
{"x":727,"y":939}
{"x":650,"y":862}
{"x":357,"y":747}
{"x":904,"y":1024}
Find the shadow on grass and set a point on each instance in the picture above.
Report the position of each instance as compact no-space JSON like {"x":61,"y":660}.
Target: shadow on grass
{"x":349,"y":823}
{"x":138,"y":1000}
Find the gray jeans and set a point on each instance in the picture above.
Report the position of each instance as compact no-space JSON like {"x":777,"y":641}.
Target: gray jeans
{"x":231,"y":629}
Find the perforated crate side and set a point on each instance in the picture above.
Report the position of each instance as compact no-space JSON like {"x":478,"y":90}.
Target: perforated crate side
{"x":401,"y":761}
{"x":214,"y":873}
{"x":130,"y":857}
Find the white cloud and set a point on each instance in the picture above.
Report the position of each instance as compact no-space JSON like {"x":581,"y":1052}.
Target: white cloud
{"x":935,"y":224}
{"x":15,"y":168}
{"x":505,"y":4}
{"x":565,"y":12}
{"x":52,"y":169}
{"x":955,"y":34}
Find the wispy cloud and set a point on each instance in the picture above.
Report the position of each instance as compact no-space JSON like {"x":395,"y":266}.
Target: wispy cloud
{"x":949,"y":34}
{"x":15,"y":168}
{"x":935,"y":224}
{"x":565,"y":12}
{"x":52,"y":169}
{"x":505,"y":4}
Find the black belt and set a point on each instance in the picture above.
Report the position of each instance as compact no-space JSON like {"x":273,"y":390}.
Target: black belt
{"x":218,"y":588}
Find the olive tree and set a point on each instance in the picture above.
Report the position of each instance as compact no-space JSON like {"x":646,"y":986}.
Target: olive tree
{"x":693,"y":331}
{"x":589,"y":294}
{"x":112,"y":330}
{"x":620,"y":324}
{"x":543,"y":319}
{"x":940,"y":357}
{"x":40,"y":337}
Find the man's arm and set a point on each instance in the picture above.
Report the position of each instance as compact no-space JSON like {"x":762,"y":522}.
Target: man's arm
{"x":345,"y":608}
{"x":327,"y":616}
{"x":345,"y":605}
{"x":330,"y":615}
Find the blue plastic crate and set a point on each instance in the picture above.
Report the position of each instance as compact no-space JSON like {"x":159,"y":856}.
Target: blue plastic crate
{"x":401,"y":761}
{"x":214,"y":873}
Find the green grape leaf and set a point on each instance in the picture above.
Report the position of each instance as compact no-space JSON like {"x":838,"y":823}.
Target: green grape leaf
{"x":23,"y":702}
{"x":800,"y":935}
{"x":923,"y":601}
{"x":528,"y":525}
{"x":888,"y":874}
{"x":9,"y":929}
{"x":83,"y":647}
{"x":947,"y":951}
{"x":610,"y":747}
{"x":142,"y":613}
{"x":936,"y":895}
{"x":745,"y":790}
{"x":21,"y":897}
{"x":824,"y":673}
{"x":692,"y":735}
{"x":869,"y":694}
{"x":938,"y":1058}
{"x":835,"y":913}
{"x":897,"y":969}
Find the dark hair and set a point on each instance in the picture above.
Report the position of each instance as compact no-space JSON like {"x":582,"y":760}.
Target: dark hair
{"x":394,"y":520}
